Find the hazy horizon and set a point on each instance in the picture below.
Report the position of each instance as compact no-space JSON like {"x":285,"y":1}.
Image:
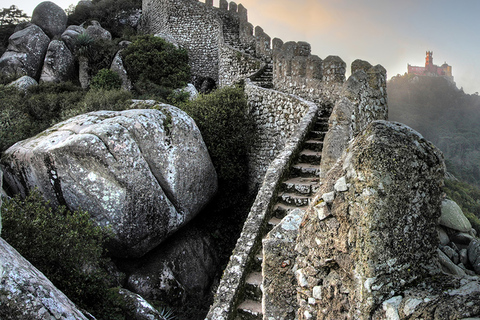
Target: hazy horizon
{"x":390,"y":33}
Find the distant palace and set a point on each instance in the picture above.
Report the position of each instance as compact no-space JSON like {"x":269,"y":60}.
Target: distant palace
{"x":431,"y":70}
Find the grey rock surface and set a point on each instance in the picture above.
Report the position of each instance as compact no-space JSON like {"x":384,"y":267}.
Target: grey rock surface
{"x":23,"y":83}
{"x":59,"y":63}
{"x":474,"y":255}
{"x":50,"y":17}
{"x":96,"y":31}
{"x":69,"y":36}
{"x":25,"y":52}
{"x":379,"y":235}
{"x":142,"y":309}
{"x":25,"y":293}
{"x":179,"y":270}
{"x":144,"y":173}
{"x":118,"y":67}
{"x":453,"y":217}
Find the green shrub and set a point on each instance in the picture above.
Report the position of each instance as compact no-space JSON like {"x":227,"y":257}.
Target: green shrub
{"x":67,"y":247}
{"x":227,"y":130}
{"x":152,"y":59}
{"x":106,"y":79}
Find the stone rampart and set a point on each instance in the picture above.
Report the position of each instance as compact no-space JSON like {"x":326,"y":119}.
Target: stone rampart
{"x":297,"y":71}
{"x":203,"y":30}
{"x":235,"y":66}
{"x":229,"y":290}
{"x":277,"y":116}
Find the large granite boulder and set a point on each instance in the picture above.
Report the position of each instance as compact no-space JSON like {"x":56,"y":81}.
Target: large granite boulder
{"x":23,"y":83}
{"x":144,"y":173}
{"x":118,"y":67}
{"x":70,"y":35}
{"x":140,"y":308}
{"x":96,"y":31}
{"x":25,"y":53}
{"x":179,"y":271}
{"x":370,"y":233}
{"x":25,"y":293}
{"x":59,"y":63}
{"x":50,"y":17}
{"x":453,"y":217}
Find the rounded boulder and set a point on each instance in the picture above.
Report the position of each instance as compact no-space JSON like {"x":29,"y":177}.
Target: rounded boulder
{"x":50,"y":17}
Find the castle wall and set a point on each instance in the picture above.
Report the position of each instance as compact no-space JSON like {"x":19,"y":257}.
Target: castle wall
{"x":235,"y":66}
{"x":297,"y":71}
{"x":195,"y":26}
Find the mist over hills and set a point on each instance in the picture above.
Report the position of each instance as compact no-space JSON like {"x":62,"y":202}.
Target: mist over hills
{"x":443,"y":114}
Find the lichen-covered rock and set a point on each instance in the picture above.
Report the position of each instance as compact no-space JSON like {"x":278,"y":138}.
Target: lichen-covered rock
{"x":25,"y":293}
{"x":118,"y":67}
{"x":140,"y":308}
{"x":378,"y":235}
{"x":25,"y":52}
{"x":50,"y":17}
{"x":23,"y":83}
{"x":70,"y":35}
{"x":1,"y":199}
{"x":96,"y":31}
{"x":190,"y":90}
{"x":279,"y":290}
{"x":453,"y":217}
{"x":145,"y":173}
{"x":180,"y":270}
{"x":474,"y":255}
{"x":59,"y":63}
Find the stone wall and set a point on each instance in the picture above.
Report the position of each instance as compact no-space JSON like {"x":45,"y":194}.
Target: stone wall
{"x":209,"y":34}
{"x":235,"y":66}
{"x":277,"y":116}
{"x":363,"y":100}
{"x":297,"y":71}
{"x":229,"y":289}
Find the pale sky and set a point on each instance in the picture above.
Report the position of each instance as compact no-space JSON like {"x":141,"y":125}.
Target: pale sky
{"x":387,"y":32}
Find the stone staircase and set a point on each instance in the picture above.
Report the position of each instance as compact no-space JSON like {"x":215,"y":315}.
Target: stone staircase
{"x":264,"y":78}
{"x":296,"y":192}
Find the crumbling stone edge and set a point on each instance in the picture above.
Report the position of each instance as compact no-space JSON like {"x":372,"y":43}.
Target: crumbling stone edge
{"x":229,"y":290}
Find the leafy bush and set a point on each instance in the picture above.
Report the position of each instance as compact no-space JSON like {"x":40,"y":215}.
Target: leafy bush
{"x":227,"y":130}
{"x":152,"y":59}
{"x":67,"y":247}
{"x":106,"y":79}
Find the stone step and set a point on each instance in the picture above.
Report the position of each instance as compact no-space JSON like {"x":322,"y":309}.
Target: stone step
{"x":317,"y":135}
{"x":313,"y":144}
{"x":257,"y":261}
{"x":320,"y":126}
{"x":301,"y":185}
{"x":310,"y":156}
{"x":253,"y":286}
{"x":280,"y":210}
{"x":274,"y":221}
{"x":305,"y":170}
{"x":249,"y":310}
{"x":294,"y":199}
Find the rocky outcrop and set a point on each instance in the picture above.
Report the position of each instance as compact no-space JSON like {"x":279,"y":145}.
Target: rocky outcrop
{"x":452,"y":217}
{"x":70,"y":35}
{"x":140,"y":308}
{"x":25,"y":293}
{"x":144,"y":173}
{"x":180,"y":270}
{"x":59,"y":63}
{"x":25,"y":53}
{"x":371,"y":232}
{"x":23,"y":83}
{"x":50,"y":17}
{"x":118,"y":67}
{"x":96,"y":31}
